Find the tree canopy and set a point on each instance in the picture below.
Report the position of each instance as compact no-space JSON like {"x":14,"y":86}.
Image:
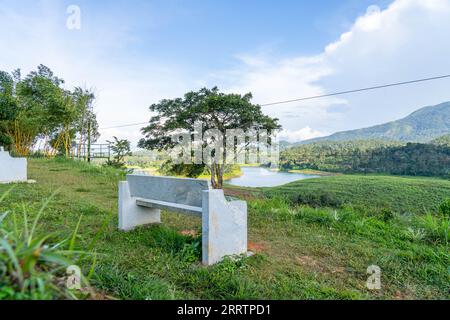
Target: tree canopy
{"x":370,"y":156}
{"x":38,"y":107}
{"x":214,"y":110}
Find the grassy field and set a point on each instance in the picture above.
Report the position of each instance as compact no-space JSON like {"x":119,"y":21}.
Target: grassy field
{"x":301,"y":252}
{"x":403,"y":195}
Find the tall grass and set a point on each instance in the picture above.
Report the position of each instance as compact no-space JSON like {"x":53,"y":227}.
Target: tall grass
{"x":33,"y":263}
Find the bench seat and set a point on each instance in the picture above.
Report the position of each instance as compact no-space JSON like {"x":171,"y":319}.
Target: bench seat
{"x":224,"y":223}
{"x":170,"y":206}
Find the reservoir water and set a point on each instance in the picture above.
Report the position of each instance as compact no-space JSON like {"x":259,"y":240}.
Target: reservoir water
{"x":262,"y":177}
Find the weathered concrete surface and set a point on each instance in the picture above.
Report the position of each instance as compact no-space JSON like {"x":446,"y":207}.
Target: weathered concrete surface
{"x":170,"y":206}
{"x":12,"y":169}
{"x":168,"y":189}
{"x":131,"y":215}
{"x":224,"y":224}
{"x":224,"y":227}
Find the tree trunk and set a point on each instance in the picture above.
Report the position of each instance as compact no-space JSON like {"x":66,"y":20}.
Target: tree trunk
{"x":213,"y":176}
{"x":219,"y":172}
{"x":217,"y":176}
{"x":89,"y":141}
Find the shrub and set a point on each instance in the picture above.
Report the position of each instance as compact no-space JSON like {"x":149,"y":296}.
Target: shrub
{"x":33,"y":266}
{"x":386,"y":215}
{"x":121,"y":148}
{"x":437,"y":228}
{"x":444,"y":208}
{"x":318,"y":200}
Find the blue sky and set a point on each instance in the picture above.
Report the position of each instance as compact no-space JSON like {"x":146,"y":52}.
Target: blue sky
{"x":207,"y":34}
{"x":134,"y":53}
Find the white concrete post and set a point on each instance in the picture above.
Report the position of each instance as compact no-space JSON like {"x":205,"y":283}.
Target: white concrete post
{"x":12,"y":169}
{"x":131,"y":215}
{"x":224,"y":227}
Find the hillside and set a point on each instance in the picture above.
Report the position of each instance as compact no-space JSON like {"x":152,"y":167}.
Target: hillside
{"x":422,"y":125}
{"x":371,"y":156}
{"x":302,"y":252}
{"x":442,"y":141}
{"x":397,"y":194}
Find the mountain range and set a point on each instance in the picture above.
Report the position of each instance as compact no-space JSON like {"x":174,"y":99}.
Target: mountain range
{"x":423,"y":125}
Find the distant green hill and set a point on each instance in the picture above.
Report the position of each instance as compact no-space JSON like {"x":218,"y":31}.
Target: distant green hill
{"x":422,"y":125}
{"x":442,"y":141}
{"x":371,"y":156}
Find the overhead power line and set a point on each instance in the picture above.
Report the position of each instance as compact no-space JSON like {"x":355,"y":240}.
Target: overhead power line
{"x":125,"y":125}
{"x":357,"y":90}
{"x":318,"y":96}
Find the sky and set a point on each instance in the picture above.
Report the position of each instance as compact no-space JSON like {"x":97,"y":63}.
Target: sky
{"x":135,"y":53}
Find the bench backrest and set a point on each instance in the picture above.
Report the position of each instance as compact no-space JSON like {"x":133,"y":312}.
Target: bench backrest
{"x":175,"y":190}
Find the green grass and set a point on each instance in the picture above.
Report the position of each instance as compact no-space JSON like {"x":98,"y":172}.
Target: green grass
{"x":302,"y":252}
{"x":314,"y":172}
{"x":33,"y":265}
{"x":400,"y":194}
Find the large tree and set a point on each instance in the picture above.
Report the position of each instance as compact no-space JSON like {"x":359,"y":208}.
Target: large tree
{"x":39,"y":108}
{"x":214,"y":110}
{"x":8,"y":106}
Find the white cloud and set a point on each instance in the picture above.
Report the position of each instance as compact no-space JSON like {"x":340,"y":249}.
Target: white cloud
{"x":300,"y":135}
{"x":93,"y":58}
{"x":408,"y":40}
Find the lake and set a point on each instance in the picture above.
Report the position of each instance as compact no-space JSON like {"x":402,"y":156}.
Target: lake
{"x":262,"y":177}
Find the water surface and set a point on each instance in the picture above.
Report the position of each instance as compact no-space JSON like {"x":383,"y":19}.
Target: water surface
{"x":262,"y":177}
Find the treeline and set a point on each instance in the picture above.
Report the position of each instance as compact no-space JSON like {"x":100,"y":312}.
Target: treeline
{"x":442,"y":141}
{"x":37,"y":109}
{"x":416,"y":159}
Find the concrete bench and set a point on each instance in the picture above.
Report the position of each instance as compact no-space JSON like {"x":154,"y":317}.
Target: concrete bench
{"x":224,"y":223}
{"x":12,"y":169}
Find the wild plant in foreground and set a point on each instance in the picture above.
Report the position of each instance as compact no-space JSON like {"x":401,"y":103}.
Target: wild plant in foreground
{"x":33,"y":266}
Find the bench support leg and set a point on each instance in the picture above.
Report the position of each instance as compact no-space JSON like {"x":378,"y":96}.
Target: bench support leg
{"x":224,"y":227}
{"x":131,"y":215}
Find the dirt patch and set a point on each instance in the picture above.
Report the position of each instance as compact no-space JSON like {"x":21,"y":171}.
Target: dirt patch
{"x":307,"y":261}
{"x":338,"y":270}
{"x":319,"y":266}
{"x":192,"y":233}
{"x":99,"y":295}
{"x":256,"y":246}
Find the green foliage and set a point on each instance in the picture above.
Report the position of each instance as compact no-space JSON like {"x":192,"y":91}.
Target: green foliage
{"x":120,"y":148}
{"x":8,"y":106}
{"x":435,"y":228}
{"x":315,"y":200}
{"x":210,"y":107}
{"x":374,"y":193}
{"x":129,"y":285}
{"x":196,"y":170}
{"x":444,"y":208}
{"x":442,"y":141}
{"x":386,"y":215}
{"x":38,"y":106}
{"x":32,"y":266}
{"x":301,"y":252}
{"x":186,"y":170}
{"x":370,"y":157}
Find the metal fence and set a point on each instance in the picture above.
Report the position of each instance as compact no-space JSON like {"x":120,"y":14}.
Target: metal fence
{"x":97,"y":151}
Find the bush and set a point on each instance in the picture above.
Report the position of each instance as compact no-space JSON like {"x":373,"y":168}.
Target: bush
{"x":386,"y":215}
{"x":437,"y":228}
{"x":33,"y":266}
{"x":317,"y":200}
{"x":444,"y":208}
